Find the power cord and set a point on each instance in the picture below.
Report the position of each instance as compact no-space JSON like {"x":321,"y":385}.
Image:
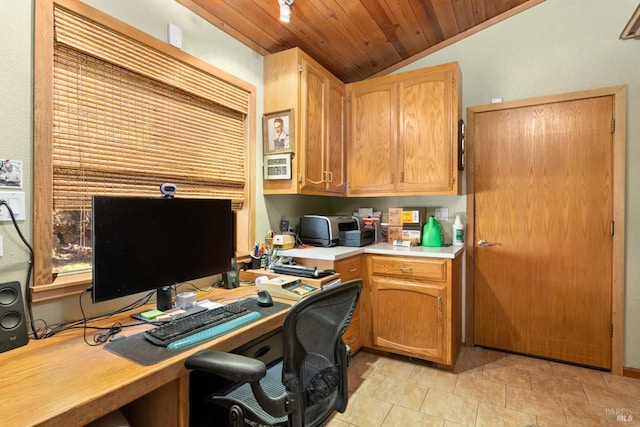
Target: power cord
{"x":29,"y":268}
{"x":99,"y":339}
{"x":49,"y":331}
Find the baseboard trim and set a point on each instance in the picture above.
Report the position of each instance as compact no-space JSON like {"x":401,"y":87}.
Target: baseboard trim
{"x":630,"y":372}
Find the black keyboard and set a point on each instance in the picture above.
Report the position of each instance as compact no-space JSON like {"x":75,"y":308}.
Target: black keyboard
{"x":178,"y":329}
{"x":301,"y":271}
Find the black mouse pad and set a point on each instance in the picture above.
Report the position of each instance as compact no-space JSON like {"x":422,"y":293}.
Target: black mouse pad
{"x":141,"y":351}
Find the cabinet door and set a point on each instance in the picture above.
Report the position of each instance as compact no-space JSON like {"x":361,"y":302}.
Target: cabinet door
{"x":282,"y":82}
{"x":335,"y":137}
{"x":311,"y":128}
{"x":426,"y":141}
{"x":409,"y":317}
{"x":371,"y":150}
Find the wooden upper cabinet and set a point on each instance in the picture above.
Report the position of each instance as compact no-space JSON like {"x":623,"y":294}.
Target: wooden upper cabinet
{"x":403,"y":133}
{"x":294,"y":80}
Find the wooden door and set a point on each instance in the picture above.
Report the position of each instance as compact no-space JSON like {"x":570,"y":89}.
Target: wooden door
{"x":543,"y":202}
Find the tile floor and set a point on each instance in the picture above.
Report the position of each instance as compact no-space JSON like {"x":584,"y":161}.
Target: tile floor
{"x":486,"y":388}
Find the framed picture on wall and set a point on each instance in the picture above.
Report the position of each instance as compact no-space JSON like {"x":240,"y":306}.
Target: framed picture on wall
{"x":277,"y":132}
{"x":10,"y":174}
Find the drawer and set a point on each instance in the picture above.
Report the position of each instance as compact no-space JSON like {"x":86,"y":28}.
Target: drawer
{"x":349,"y":268}
{"x":352,"y":336}
{"x":433,"y":269}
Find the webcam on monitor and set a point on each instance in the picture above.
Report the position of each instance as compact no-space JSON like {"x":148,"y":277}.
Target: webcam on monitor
{"x":168,"y":190}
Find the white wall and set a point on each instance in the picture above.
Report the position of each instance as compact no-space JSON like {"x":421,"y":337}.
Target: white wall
{"x":16,"y":115}
{"x":558,"y":46}
{"x":562,"y":46}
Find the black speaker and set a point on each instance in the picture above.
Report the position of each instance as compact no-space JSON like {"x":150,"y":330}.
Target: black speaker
{"x":230,"y":278}
{"x":13,"y":324}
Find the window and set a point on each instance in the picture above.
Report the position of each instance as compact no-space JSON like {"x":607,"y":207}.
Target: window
{"x":118,"y":112}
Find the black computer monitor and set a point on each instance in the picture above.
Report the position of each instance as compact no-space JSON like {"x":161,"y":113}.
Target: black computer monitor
{"x":140,"y":244}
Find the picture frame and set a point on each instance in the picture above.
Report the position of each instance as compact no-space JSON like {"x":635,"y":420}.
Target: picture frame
{"x":277,"y":166}
{"x":10,"y":174}
{"x":271,"y":123}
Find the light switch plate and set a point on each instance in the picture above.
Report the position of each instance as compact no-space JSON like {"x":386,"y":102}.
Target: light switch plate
{"x":16,"y":203}
{"x":442,"y":214}
{"x":174,"y":35}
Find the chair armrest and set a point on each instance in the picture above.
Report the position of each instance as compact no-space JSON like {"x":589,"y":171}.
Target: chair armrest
{"x":234,"y":367}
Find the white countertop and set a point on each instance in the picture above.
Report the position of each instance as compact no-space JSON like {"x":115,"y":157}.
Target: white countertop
{"x":335,"y":253}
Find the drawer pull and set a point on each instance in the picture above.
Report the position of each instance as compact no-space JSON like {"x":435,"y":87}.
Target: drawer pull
{"x":406,"y":269}
{"x":353,"y":270}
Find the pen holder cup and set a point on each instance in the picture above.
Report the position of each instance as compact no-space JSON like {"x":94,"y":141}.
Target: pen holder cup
{"x":255,"y":263}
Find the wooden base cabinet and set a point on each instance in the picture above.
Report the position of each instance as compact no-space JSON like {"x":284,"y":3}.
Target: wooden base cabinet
{"x":415,"y":307}
{"x":349,"y":269}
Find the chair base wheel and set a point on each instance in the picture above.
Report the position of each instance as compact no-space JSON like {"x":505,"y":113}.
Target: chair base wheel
{"x":236,"y":416}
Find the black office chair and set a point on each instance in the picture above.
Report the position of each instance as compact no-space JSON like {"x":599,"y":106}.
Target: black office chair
{"x":302,"y":389}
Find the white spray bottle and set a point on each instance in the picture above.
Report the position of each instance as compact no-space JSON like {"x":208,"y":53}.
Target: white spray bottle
{"x":457,"y":233}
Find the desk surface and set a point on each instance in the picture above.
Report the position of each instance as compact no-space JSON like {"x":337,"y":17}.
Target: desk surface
{"x":63,"y":381}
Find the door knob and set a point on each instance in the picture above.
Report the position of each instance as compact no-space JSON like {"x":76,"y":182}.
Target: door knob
{"x":483,"y":242}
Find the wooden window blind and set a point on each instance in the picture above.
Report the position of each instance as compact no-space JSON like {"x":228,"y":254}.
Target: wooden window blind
{"x":117,"y":111}
{"x":127,"y":118}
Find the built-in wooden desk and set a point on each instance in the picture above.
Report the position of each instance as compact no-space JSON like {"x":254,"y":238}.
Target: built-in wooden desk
{"x":62,"y":381}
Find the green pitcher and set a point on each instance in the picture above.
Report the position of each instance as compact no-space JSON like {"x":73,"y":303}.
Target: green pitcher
{"x":432,"y":233}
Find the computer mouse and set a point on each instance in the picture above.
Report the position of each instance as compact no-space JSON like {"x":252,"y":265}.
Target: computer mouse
{"x":264,"y":299}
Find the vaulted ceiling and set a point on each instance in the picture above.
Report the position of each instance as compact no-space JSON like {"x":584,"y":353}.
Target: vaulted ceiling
{"x":356,"y":39}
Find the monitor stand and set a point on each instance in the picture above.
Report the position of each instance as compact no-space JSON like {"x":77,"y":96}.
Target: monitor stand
{"x":163,"y":302}
{"x":163,"y":298}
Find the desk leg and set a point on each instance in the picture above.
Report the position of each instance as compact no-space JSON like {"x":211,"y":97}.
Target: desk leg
{"x":166,"y":403}
{"x":183,"y":401}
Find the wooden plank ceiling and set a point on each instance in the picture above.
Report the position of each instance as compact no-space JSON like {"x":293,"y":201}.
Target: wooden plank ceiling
{"x":356,"y":39}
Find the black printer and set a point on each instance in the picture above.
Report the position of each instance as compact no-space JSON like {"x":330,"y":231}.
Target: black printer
{"x":321,"y":230}
{"x":363,"y":236}
{"x":326,"y":231}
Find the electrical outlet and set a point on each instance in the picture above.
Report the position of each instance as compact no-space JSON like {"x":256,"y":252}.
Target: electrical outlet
{"x":15,"y":200}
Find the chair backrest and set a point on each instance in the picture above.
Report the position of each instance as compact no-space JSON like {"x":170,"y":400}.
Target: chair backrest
{"x":315,"y":358}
